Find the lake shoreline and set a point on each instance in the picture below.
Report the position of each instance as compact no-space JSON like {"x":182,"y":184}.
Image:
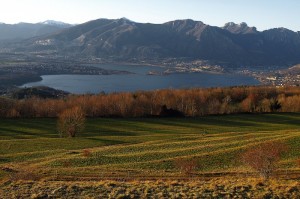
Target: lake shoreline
{"x":138,"y":78}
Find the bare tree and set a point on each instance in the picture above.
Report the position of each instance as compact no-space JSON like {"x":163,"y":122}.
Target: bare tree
{"x":264,"y":157}
{"x":71,"y":121}
{"x":186,"y":166}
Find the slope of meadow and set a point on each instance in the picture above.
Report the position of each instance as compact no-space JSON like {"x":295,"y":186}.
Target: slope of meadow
{"x":33,"y":156}
{"x":142,"y":147}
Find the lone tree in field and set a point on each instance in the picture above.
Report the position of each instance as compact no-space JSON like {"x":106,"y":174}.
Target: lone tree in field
{"x":71,"y":121}
{"x":264,"y":157}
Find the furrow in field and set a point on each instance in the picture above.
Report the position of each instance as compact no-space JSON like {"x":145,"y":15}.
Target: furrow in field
{"x":212,"y":156}
{"x":153,"y":156}
{"x":171,"y":145}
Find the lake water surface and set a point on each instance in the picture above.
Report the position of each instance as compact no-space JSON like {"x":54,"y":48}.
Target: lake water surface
{"x":80,"y":84}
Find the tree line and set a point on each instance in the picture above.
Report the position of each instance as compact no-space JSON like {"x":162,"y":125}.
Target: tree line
{"x":188,"y":102}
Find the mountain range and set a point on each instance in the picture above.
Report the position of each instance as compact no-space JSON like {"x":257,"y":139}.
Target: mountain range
{"x":27,"y":30}
{"x":124,"y":39}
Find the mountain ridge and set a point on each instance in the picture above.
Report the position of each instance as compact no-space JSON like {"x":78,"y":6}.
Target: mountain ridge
{"x":25,"y":30}
{"x":124,"y":39}
{"x":55,"y":23}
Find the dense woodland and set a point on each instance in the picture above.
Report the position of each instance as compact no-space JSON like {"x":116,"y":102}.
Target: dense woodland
{"x":188,"y":102}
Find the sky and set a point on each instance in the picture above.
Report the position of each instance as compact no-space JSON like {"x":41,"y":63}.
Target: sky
{"x":263,"y":14}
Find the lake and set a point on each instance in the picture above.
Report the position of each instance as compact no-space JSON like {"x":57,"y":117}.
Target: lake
{"x":80,"y":84}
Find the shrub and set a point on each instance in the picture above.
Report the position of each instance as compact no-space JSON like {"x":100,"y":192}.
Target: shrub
{"x":71,"y":121}
{"x":298,"y":162}
{"x":86,"y":153}
{"x":186,"y":166}
{"x":169,"y":112}
{"x":264,"y":157}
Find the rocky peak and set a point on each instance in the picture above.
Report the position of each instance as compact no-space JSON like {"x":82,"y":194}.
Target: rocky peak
{"x":124,"y":21}
{"x":185,"y":25}
{"x":241,"y":28}
{"x":184,"y":22}
{"x":55,"y":23}
{"x":282,"y":35}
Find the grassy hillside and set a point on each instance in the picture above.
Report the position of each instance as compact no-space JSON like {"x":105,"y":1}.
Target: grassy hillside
{"x":141,"y":148}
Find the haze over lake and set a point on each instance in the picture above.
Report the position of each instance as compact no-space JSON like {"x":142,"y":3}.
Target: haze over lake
{"x":81,"y":84}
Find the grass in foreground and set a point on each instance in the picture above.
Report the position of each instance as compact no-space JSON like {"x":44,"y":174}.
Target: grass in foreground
{"x":216,"y":188}
{"x":113,"y":148}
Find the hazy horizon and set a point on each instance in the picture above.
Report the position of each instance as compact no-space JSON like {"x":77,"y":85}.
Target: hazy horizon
{"x":261,"y":14}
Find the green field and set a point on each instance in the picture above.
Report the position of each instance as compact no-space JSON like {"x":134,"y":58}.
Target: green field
{"x":146,"y":147}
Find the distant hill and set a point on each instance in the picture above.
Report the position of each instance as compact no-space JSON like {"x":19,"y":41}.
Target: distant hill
{"x":39,"y":92}
{"x":124,"y":39}
{"x":27,"y":30}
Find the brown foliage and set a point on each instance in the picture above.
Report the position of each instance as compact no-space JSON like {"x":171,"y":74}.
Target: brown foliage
{"x":264,"y":157}
{"x":71,"y":121}
{"x":186,"y":166}
{"x":86,"y":153}
{"x":191,"y":102}
{"x":298,"y":162}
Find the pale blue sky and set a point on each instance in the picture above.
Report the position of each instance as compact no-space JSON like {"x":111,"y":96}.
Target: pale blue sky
{"x":263,"y":14}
